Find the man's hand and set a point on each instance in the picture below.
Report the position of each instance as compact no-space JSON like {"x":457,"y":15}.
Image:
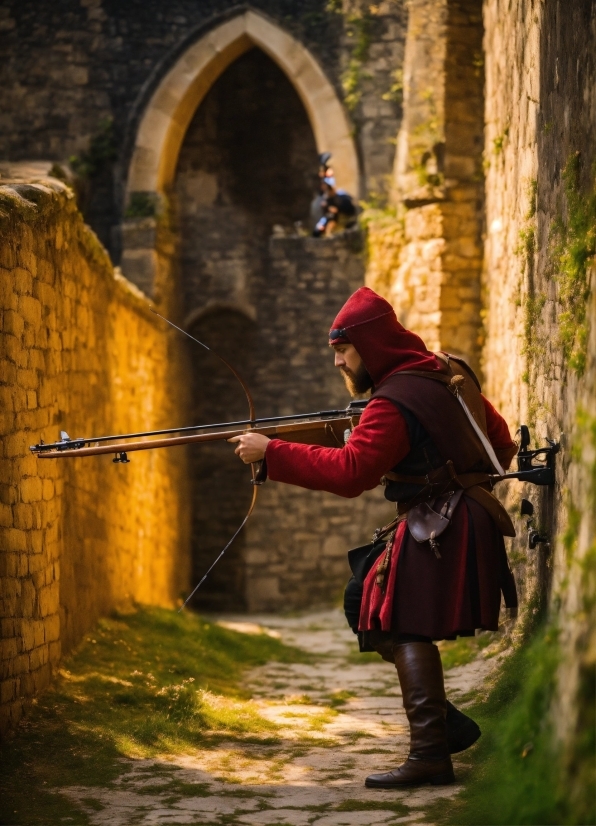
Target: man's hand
{"x":251,"y":447}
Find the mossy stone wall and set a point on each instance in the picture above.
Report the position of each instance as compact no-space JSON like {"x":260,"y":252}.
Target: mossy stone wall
{"x":81,"y":352}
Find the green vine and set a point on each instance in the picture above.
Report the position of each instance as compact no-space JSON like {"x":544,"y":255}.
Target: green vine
{"x":102,"y":151}
{"x":395,"y":93}
{"x":359,"y":24}
{"x":141,"y":205}
{"x":573,"y":244}
{"x":88,"y":167}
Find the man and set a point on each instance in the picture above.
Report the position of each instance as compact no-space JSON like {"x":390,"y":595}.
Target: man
{"x":435,"y":440}
{"x":339,"y":211}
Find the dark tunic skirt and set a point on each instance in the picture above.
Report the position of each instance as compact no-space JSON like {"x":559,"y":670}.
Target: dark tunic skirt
{"x":461,"y":591}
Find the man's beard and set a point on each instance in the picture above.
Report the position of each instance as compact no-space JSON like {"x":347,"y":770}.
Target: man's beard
{"x":357,"y":382}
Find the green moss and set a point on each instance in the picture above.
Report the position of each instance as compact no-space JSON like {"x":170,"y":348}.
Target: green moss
{"x":532,"y":194}
{"x":499,"y":141}
{"x":140,"y":684}
{"x":102,"y":151}
{"x":395,"y":93}
{"x":385,"y":805}
{"x":573,"y":244}
{"x":141,"y":205}
{"x":340,"y":697}
{"x":358,"y":29}
{"x":464,"y":649}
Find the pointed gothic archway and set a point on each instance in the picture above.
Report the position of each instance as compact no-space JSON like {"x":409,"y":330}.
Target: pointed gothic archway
{"x":173,"y":104}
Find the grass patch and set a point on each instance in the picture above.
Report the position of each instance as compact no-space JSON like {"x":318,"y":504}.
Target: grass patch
{"x":141,"y":684}
{"x":385,"y":805}
{"x":517,"y":777}
{"x":464,"y":649}
{"x":340,"y":698}
{"x":356,"y":657}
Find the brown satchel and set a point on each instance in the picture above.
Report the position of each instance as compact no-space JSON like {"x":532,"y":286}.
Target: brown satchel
{"x":428,"y":520}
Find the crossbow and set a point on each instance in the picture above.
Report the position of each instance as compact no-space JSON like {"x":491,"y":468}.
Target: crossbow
{"x":328,"y":428}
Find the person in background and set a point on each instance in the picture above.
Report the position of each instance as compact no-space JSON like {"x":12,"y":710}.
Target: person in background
{"x":339,"y":210}
{"x":325,"y":171}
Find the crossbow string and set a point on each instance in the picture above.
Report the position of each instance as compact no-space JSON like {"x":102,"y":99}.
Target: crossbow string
{"x":254,"y":466}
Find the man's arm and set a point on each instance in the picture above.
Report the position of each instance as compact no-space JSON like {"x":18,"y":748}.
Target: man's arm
{"x":376,"y":445}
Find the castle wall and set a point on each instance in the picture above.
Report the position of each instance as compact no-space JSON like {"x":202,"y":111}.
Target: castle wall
{"x":540,"y":353}
{"x":78,"y":76}
{"x":81,"y":352}
{"x":532,"y":268}
{"x":429,"y":264}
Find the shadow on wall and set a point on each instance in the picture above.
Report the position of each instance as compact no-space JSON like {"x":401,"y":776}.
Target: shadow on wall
{"x":221,"y":492}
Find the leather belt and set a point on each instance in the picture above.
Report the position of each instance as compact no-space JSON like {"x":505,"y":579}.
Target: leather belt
{"x":477,"y":485}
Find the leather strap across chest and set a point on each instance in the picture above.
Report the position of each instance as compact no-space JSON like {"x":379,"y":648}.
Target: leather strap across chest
{"x":431,"y":398}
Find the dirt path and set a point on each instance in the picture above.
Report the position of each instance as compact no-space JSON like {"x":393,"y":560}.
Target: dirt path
{"x":340,"y":718}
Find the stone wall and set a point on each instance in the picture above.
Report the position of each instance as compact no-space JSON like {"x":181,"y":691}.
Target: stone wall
{"x":81,"y":352}
{"x":534,"y":335}
{"x":430,"y":265}
{"x":540,"y":353}
{"x":78,"y":76}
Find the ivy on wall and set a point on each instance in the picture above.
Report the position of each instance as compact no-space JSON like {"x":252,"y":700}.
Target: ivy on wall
{"x":91,"y":164}
{"x":573,"y":245}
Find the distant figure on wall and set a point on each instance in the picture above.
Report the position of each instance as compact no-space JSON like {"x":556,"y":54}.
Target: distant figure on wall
{"x":339,"y":210}
{"x":333,"y":209}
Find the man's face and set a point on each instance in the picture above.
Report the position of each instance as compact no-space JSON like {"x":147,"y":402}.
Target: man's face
{"x":354,"y":373}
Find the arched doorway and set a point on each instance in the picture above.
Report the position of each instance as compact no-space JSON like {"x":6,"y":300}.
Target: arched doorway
{"x":247,"y":164}
{"x":172,"y":106}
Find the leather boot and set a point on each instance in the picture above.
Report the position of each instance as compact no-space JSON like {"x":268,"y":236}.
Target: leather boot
{"x":421,"y":678}
{"x":462,"y":731}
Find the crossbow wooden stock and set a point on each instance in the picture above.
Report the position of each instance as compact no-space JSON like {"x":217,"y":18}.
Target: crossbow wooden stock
{"x":326,"y":428}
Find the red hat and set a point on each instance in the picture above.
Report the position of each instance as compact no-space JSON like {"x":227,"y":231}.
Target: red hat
{"x":369,"y":323}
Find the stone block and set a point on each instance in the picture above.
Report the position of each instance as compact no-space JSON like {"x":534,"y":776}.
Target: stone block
{"x":27,"y":379}
{"x":38,"y":657}
{"x":30,"y":310}
{"x":39,"y":632}
{"x":8,"y":627}
{"x":8,"y":649}
{"x":16,"y":540}
{"x":13,"y":323}
{"x":28,"y":598}
{"x":8,"y":690}
{"x":52,"y":628}
{"x":48,"y":600}
{"x":54,"y":653}
{"x":9,"y":564}
{"x":31,"y":489}
{"x":6,"y":519}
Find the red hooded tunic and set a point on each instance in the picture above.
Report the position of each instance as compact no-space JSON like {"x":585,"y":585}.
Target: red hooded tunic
{"x":424,"y":595}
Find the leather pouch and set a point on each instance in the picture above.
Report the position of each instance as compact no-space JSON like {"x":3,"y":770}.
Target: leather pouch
{"x":428,"y":520}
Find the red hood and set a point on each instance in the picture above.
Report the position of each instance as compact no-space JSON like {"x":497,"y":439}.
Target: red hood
{"x":385,"y":347}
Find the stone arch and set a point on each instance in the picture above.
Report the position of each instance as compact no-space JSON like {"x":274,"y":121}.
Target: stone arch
{"x":166,"y":118}
{"x":212,"y":307}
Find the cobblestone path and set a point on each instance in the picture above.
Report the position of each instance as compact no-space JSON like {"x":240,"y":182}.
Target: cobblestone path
{"x":340,"y":718}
